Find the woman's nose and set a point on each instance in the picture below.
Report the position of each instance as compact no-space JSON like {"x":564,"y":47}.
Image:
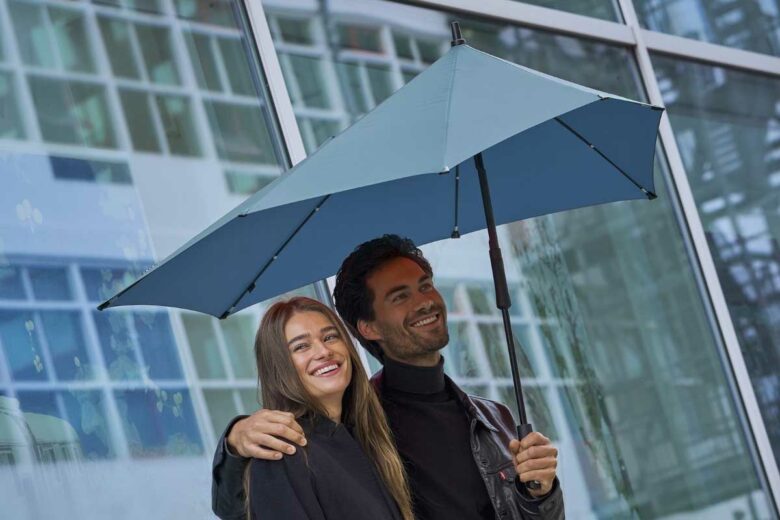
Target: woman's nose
{"x":322,"y":351}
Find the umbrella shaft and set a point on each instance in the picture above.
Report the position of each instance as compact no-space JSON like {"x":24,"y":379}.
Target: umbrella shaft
{"x":503,"y":300}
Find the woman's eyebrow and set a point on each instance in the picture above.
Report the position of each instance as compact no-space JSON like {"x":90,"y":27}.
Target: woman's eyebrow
{"x":328,"y":329}
{"x":298,"y":337}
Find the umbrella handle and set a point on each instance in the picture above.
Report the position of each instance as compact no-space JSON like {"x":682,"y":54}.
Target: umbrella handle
{"x":523,"y":430}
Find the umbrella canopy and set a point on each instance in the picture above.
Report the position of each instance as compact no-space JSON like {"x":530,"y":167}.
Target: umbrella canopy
{"x":548,"y":145}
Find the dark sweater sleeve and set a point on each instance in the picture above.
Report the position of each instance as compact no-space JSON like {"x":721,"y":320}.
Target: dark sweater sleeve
{"x":283,"y":489}
{"x":227,"y":480}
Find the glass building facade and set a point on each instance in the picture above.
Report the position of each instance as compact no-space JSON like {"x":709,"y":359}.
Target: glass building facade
{"x":647,"y":331}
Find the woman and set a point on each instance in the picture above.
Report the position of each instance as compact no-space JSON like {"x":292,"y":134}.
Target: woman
{"x":349,"y":468}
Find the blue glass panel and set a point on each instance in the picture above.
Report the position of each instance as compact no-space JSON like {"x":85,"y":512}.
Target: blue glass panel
{"x":159,"y":423}
{"x":50,"y":283}
{"x":11,"y":283}
{"x":66,"y":344}
{"x":101,"y":284}
{"x":157,"y":345}
{"x":86,"y":411}
{"x":84,"y":416}
{"x":20,"y":345}
{"x":117,"y":345}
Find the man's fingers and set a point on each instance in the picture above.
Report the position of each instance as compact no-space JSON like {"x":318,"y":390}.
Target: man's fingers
{"x":536,"y":464}
{"x":256,"y":452}
{"x":285,"y":418}
{"x":536,"y":452}
{"x":544,"y":476}
{"x":533,"y":439}
{"x":270,"y":442}
{"x":283,"y":431}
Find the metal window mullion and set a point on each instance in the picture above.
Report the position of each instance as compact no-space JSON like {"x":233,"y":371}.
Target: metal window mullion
{"x":51,"y":36}
{"x":281,"y":106}
{"x":191,"y":379}
{"x":706,"y":275}
{"x":116,"y":432}
{"x":216,"y":52}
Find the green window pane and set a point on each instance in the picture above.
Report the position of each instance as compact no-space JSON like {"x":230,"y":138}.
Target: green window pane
{"x":236,"y":66}
{"x":50,"y":283}
{"x":21,"y":346}
{"x":360,"y":38}
{"x":218,"y":12}
{"x":309,"y":80}
{"x":324,"y":129}
{"x":142,"y":6}
{"x":203,"y":345}
{"x":72,"y":112}
{"x":604,"y":9}
{"x":240,"y":132}
{"x":239,"y":333}
{"x":381,"y":81}
{"x":222,"y":408}
{"x":67,"y":346}
{"x":157,"y":51}
{"x":458,"y":357}
{"x":247,"y":183}
{"x":180,"y":130}
{"x":536,"y":405}
{"x":353,"y":92}
{"x":203,"y":61}
{"x":117,"y":40}
{"x":250,"y":400}
{"x":71,"y":39}
{"x":753,"y":26}
{"x":10,"y":121}
{"x":139,"y":119}
{"x":295,"y":30}
{"x":32,"y":36}
{"x":403,"y":46}
{"x":430,"y":50}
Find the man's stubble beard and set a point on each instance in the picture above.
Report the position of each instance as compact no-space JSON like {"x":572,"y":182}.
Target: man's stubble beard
{"x":405,"y":345}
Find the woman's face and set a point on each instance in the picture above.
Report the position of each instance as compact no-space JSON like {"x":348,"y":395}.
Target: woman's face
{"x":320,"y":355}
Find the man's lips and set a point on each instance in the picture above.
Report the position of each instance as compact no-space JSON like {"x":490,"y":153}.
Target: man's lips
{"x":427,"y":321}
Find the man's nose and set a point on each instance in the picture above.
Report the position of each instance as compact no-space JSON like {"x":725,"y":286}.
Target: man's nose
{"x":424,"y":304}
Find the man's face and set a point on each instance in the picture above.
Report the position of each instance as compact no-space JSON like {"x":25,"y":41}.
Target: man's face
{"x":410,"y":315}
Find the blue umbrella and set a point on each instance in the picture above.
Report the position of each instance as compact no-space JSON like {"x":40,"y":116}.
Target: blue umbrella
{"x":416,"y":166}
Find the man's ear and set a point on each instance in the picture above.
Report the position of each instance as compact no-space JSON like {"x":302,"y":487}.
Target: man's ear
{"x":368,"y":330}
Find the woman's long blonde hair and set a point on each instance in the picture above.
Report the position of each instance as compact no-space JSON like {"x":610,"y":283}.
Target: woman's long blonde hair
{"x":282,"y":389}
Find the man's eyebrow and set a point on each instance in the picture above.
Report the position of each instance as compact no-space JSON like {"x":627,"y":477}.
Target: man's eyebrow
{"x":395,"y":290}
{"x":298,"y":337}
{"x":424,"y":278}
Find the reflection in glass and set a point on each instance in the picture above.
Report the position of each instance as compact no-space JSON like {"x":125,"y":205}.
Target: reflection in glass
{"x":744,"y":24}
{"x":604,"y":9}
{"x":117,"y":103}
{"x":72,"y":112}
{"x":727,"y":127}
{"x":606,"y":305}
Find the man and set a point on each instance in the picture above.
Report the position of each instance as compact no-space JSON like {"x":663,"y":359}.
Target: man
{"x":459,"y":451}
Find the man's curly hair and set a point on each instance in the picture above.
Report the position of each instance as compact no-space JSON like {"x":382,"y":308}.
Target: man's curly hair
{"x":354,"y":300}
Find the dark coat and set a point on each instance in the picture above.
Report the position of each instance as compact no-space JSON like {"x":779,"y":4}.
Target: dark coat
{"x":330,"y":478}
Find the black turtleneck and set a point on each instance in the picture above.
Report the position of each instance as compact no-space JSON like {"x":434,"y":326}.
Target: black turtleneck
{"x":432,"y":432}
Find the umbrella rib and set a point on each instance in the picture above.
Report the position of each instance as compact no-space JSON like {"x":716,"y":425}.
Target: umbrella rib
{"x":455,"y":230}
{"x":649,"y":194}
{"x":251,"y":286}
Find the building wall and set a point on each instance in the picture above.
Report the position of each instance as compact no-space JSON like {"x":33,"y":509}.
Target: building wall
{"x":128,"y":126}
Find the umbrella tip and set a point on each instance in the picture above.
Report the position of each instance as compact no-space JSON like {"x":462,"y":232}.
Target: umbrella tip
{"x":457,"y":37}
